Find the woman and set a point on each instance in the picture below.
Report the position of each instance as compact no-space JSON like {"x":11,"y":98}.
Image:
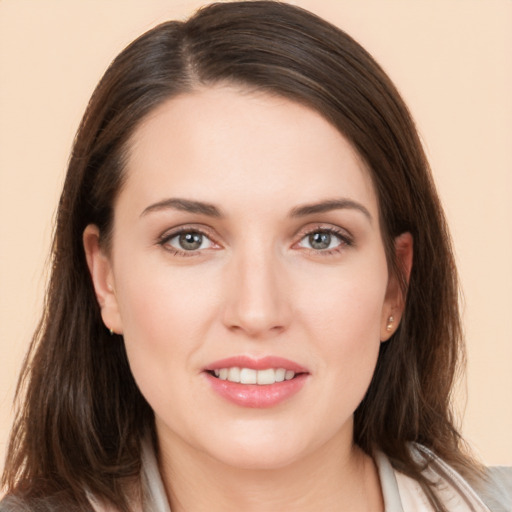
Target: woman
{"x":253,"y":300}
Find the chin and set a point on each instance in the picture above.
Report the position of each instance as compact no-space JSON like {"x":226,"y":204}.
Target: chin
{"x":259,"y":450}
{"x":256,"y":459}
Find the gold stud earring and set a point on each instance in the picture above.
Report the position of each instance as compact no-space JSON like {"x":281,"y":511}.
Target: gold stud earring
{"x":389,"y":325}
{"x":111,"y":331}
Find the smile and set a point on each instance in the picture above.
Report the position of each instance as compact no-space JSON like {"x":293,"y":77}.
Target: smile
{"x":251,"y":376}
{"x":256,"y":382}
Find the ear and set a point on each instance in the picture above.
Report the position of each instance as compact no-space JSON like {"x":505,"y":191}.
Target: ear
{"x":394,"y":302}
{"x":100,"y":268}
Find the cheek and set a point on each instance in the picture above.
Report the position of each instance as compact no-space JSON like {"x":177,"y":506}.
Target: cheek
{"x":346,"y":303}
{"x":343,"y":317}
{"x":165,"y":320}
{"x":349,"y":337}
{"x":158,"y":301}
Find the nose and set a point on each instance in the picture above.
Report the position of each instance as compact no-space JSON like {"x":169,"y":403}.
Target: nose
{"x":258,"y":301}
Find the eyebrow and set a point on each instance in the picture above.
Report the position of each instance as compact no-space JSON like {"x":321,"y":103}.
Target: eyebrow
{"x":185,"y":205}
{"x":329,"y":205}
{"x":210,"y":210}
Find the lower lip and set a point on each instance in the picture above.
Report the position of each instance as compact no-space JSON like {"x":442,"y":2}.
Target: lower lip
{"x":254,"y":395}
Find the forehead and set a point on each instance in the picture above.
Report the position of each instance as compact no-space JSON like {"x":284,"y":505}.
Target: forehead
{"x":243,"y":146}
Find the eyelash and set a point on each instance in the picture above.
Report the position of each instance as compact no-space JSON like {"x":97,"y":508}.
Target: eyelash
{"x":345,"y":240}
{"x":167,"y":237}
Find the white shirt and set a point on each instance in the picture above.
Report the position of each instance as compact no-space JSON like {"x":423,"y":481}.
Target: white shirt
{"x":401,"y":493}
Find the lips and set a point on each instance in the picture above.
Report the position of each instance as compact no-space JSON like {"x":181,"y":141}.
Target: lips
{"x":256,"y":383}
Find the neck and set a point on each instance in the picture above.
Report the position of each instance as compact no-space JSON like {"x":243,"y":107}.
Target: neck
{"x":342,"y":479}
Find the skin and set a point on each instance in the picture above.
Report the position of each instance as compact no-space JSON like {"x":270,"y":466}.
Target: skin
{"x":256,"y":287}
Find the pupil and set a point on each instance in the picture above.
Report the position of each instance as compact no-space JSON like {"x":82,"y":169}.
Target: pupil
{"x":320,"y":240}
{"x":191,"y":241}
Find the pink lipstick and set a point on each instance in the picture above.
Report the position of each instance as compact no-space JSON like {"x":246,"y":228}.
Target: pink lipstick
{"x":256,"y":383}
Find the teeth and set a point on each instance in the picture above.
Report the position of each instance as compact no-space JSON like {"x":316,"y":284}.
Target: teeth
{"x":289,"y":375}
{"x":266,"y":376}
{"x":234,"y":374}
{"x":280,"y":374}
{"x":250,"y":376}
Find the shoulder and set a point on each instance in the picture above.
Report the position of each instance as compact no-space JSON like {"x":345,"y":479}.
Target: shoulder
{"x":496,"y":490}
{"x":14,"y":503}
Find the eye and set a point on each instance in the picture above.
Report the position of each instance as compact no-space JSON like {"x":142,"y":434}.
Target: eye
{"x":189,"y":241}
{"x":323,"y":240}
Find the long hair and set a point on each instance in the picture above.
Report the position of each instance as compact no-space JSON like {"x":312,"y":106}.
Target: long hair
{"x":80,"y":415}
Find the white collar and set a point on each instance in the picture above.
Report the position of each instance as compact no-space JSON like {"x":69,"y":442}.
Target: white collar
{"x":404,"y":494}
{"x":401,"y":493}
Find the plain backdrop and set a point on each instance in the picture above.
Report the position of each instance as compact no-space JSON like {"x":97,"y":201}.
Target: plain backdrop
{"x":451,"y":60}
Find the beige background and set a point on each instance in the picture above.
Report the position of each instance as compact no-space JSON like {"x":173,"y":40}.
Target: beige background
{"x":451,"y":61}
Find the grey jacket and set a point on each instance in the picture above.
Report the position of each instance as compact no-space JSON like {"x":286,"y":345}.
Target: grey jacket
{"x":401,"y":493}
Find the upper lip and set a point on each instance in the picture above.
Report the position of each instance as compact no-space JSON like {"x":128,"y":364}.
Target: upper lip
{"x":256,"y":363}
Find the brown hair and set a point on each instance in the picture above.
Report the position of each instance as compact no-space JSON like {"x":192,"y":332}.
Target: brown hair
{"x":81,"y":416}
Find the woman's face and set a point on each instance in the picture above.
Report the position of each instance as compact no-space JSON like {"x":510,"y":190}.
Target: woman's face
{"x":246,"y":246}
